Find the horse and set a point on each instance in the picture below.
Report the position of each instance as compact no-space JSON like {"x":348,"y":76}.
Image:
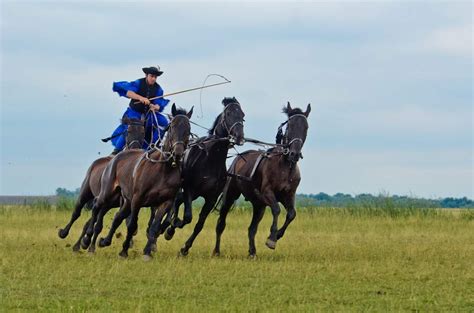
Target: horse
{"x":204,"y":168}
{"x":266,"y":178}
{"x":90,"y":187}
{"x":142,"y":179}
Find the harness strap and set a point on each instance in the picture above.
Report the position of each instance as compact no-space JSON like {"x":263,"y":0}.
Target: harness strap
{"x":135,"y":168}
{"x":259,"y":160}
{"x":257,"y":163}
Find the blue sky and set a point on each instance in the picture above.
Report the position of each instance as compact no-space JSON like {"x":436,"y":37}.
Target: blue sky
{"x":390,"y":84}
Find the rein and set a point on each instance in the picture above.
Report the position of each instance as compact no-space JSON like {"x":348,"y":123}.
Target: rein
{"x":280,"y":138}
{"x":168,"y":154}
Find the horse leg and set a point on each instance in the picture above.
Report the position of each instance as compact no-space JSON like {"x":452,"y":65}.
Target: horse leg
{"x":86,"y":240}
{"x":152,"y":216}
{"x":98,"y":228}
{"x":150,"y":222}
{"x":206,"y":209}
{"x":177,"y":203}
{"x":118,"y":219}
{"x":290,"y":215}
{"x":131,"y":229}
{"x":77,"y":246}
{"x":167,"y":221}
{"x":229,"y":199}
{"x":272,"y":239}
{"x":155,"y":228}
{"x":84,"y":197}
{"x":188,"y":209}
{"x":185,"y":198}
{"x":258,"y":211}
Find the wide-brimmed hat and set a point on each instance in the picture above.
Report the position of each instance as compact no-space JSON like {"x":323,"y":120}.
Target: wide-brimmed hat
{"x":152,"y":70}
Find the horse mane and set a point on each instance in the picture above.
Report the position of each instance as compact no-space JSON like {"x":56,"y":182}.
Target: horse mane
{"x":292,"y":112}
{"x":214,"y":125}
{"x":229,"y":100}
{"x":226,"y":101}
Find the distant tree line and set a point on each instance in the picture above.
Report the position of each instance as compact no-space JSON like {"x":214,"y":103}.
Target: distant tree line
{"x":346,"y":200}
{"x":63,"y":192}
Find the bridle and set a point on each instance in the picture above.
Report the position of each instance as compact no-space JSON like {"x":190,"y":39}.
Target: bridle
{"x":284,"y":137}
{"x":168,"y":154}
{"x":223,"y":122}
{"x":134,"y":122}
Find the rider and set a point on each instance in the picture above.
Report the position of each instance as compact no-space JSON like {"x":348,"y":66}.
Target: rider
{"x":139,"y":91}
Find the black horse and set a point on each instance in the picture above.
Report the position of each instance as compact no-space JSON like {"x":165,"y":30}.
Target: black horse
{"x":266,"y":178}
{"x":204,"y":168}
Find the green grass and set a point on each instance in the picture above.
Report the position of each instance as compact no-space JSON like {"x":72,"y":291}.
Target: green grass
{"x":329,"y":260}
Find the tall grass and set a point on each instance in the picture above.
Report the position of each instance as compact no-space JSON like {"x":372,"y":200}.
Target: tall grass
{"x":330,"y":259}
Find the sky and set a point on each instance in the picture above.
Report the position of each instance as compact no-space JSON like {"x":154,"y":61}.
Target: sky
{"x":390,"y":85}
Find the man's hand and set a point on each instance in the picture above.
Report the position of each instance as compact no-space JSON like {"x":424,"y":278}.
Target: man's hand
{"x":144,"y":100}
{"x":154,"y":107}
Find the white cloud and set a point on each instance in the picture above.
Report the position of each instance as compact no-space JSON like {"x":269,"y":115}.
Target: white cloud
{"x":452,"y":40}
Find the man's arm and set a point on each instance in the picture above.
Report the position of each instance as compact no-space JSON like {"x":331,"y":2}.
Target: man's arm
{"x":160,"y":103}
{"x":132,"y":95}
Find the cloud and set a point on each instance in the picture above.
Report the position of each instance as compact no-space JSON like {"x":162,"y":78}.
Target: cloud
{"x":453,"y":40}
{"x":380,"y":76}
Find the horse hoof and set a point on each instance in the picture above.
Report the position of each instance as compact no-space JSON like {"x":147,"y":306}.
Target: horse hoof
{"x":182,"y":253}
{"x":147,"y":258}
{"x":103,"y":242}
{"x":271,"y":244}
{"x":169,"y":234}
{"x":216,"y":253}
{"x":252,"y":256}
{"x":153,"y":247}
{"x":85,"y":242}
{"x":123,"y":254}
{"x":62,"y":233}
{"x":76,"y":247}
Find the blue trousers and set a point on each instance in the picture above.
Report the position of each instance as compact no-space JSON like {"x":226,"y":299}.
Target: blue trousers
{"x":155,"y":125}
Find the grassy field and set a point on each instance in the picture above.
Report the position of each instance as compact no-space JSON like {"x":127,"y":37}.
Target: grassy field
{"x":329,"y":260}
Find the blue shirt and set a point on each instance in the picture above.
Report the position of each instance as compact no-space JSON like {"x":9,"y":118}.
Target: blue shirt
{"x":123,"y":86}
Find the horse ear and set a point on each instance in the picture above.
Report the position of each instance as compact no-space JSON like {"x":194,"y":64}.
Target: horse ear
{"x":288,"y":107}
{"x":190,"y":113}
{"x":308,"y":109}
{"x":173,"y":109}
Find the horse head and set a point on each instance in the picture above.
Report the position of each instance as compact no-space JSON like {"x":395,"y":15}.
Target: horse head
{"x":179,"y":131}
{"x":230,"y":123}
{"x":296,"y":131}
{"x":135,"y":132}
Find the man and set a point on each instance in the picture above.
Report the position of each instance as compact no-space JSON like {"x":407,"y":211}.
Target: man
{"x":139,"y":92}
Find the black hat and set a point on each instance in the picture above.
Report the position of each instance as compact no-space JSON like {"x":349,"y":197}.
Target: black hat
{"x":152,"y":70}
